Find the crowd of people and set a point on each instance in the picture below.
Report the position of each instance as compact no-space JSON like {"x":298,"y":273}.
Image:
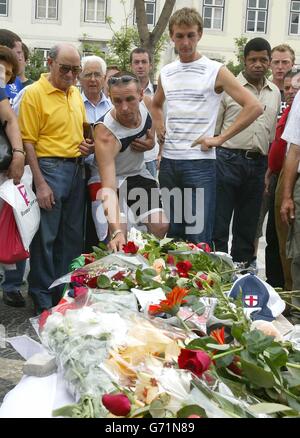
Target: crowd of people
{"x":108,"y":149}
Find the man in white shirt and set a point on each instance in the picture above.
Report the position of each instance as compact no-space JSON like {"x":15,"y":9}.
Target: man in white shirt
{"x":290,"y":208}
{"x":192,"y":87}
{"x":141,"y":65}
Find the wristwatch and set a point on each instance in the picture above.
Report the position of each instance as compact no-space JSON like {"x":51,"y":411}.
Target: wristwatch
{"x":115,"y":233}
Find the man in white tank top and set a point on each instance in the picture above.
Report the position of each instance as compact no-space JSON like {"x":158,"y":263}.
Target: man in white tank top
{"x":192,"y":87}
{"x":121,"y":137}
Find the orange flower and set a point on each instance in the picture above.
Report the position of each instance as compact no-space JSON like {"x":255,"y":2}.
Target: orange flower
{"x":219,"y":335}
{"x":172,"y":303}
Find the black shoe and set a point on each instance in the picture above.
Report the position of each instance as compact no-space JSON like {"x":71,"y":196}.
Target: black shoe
{"x":13,"y":299}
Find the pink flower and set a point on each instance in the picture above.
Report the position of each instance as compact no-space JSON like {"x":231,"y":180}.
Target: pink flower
{"x":204,"y":246}
{"x":130,"y":248}
{"x":194,"y":416}
{"x":80,"y":293}
{"x":170,"y":260}
{"x":206,"y":278}
{"x":196,"y":361}
{"x":117,"y":404}
{"x":43,"y":318}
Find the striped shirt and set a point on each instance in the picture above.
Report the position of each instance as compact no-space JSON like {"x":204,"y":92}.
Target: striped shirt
{"x":192,"y":106}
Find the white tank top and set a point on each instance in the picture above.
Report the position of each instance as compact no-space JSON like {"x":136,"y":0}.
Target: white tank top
{"x":129,"y":162}
{"x":192,"y":106}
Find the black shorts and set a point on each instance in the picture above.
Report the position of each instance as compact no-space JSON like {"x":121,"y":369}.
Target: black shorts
{"x":141,"y":195}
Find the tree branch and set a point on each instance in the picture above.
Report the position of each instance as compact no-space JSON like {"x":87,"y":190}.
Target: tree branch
{"x":162,"y":21}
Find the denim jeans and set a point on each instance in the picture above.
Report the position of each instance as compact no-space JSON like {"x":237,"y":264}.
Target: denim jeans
{"x":191,"y":209}
{"x":152,"y":167}
{"x":60,"y":236}
{"x":240,"y":186}
{"x":13,"y":279}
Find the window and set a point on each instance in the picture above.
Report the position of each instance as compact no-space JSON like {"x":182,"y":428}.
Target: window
{"x":3,"y":8}
{"x":95,"y":11}
{"x":43,"y":53}
{"x":295,"y":18}
{"x":257,"y":16}
{"x":46,"y":9}
{"x":213,"y":14}
{"x":150,"y":7}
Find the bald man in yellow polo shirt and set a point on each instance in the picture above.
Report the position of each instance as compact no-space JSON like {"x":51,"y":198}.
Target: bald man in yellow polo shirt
{"x":51,"y":120}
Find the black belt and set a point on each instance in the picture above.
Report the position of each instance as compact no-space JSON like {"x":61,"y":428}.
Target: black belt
{"x":250,"y":155}
{"x":72,"y":159}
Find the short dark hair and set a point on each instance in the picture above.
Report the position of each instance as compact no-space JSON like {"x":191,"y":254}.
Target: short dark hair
{"x":140,"y":50}
{"x":127,"y":74}
{"x":7,"y":55}
{"x":9,"y":38}
{"x":257,"y":45}
{"x":26,"y":51}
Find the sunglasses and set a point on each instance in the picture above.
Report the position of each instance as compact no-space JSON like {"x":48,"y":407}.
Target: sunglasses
{"x":121,"y":79}
{"x":65,"y":68}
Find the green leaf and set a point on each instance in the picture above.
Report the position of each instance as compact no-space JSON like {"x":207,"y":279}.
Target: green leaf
{"x":191,"y":410}
{"x":103,"y":282}
{"x":268,"y":408}
{"x":225,"y":361}
{"x":277,"y":355}
{"x":149,"y":272}
{"x":295,"y":372}
{"x":237,"y":331}
{"x":257,"y":375}
{"x":165,"y":241}
{"x":221,"y":347}
{"x":201,"y":343}
{"x":257,"y":342}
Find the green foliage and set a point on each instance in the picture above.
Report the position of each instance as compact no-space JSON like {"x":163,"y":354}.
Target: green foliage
{"x":239,"y":53}
{"x":35,"y":66}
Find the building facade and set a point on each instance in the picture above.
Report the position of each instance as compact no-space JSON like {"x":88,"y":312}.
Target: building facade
{"x":42,"y":23}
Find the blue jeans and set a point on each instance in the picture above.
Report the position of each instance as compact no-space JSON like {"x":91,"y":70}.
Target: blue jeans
{"x":152,"y":167}
{"x":240,"y":186}
{"x":60,"y":236}
{"x":13,"y":279}
{"x":191,"y":209}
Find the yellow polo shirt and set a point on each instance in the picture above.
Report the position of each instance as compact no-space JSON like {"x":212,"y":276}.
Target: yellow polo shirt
{"x":52,"y":120}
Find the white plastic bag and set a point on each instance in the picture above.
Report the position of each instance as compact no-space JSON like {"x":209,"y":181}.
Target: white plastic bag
{"x":25,"y":205}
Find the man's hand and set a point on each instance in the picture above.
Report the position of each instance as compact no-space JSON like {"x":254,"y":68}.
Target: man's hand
{"x":287,"y":211}
{"x":87,"y":147}
{"x":207,"y":143}
{"x":117,"y":243}
{"x":161,"y":135}
{"x":45,"y":196}
{"x":16,"y":168}
{"x":268,"y":181}
{"x":139,"y":145}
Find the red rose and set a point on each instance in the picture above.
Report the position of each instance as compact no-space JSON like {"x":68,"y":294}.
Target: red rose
{"x":92,"y":283}
{"x":146,"y":255}
{"x":204,"y":246}
{"x":196,"y":361}
{"x":119,"y":276}
{"x":78,"y":279}
{"x":88,"y":258}
{"x":170,"y":260}
{"x":183,"y":268}
{"x":130,"y":248}
{"x":117,"y":404}
{"x":205,"y":278}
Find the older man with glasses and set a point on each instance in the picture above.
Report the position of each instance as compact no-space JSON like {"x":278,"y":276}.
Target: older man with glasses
{"x":51,"y":119}
{"x":96,"y":103}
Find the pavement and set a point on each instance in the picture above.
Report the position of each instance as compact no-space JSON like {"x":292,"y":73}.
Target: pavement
{"x":15,"y":322}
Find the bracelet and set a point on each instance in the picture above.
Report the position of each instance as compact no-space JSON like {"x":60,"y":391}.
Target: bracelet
{"x":19,"y":150}
{"x":114,"y":234}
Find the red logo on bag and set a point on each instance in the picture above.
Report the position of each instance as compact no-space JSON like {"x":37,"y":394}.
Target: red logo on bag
{"x":23,"y":193}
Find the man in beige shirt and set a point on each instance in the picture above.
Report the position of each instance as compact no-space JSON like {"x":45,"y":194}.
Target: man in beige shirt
{"x":242,"y":160}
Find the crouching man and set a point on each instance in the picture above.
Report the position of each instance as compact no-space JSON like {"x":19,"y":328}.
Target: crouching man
{"x":121,"y":138}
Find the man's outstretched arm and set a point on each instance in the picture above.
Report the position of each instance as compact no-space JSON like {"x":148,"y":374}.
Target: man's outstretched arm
{"x":251,"y":109}
{"x":106,"y":149}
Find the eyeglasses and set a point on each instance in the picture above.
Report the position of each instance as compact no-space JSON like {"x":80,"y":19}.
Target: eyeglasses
{"x":65,"y":68}
{"x":96,"y":74}
{"x":122,"y":79}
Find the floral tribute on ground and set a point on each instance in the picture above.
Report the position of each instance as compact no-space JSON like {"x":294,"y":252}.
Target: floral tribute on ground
{"x":155,"y":332}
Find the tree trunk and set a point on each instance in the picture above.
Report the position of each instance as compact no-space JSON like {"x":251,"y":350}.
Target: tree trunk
{"x":150,"y":39}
